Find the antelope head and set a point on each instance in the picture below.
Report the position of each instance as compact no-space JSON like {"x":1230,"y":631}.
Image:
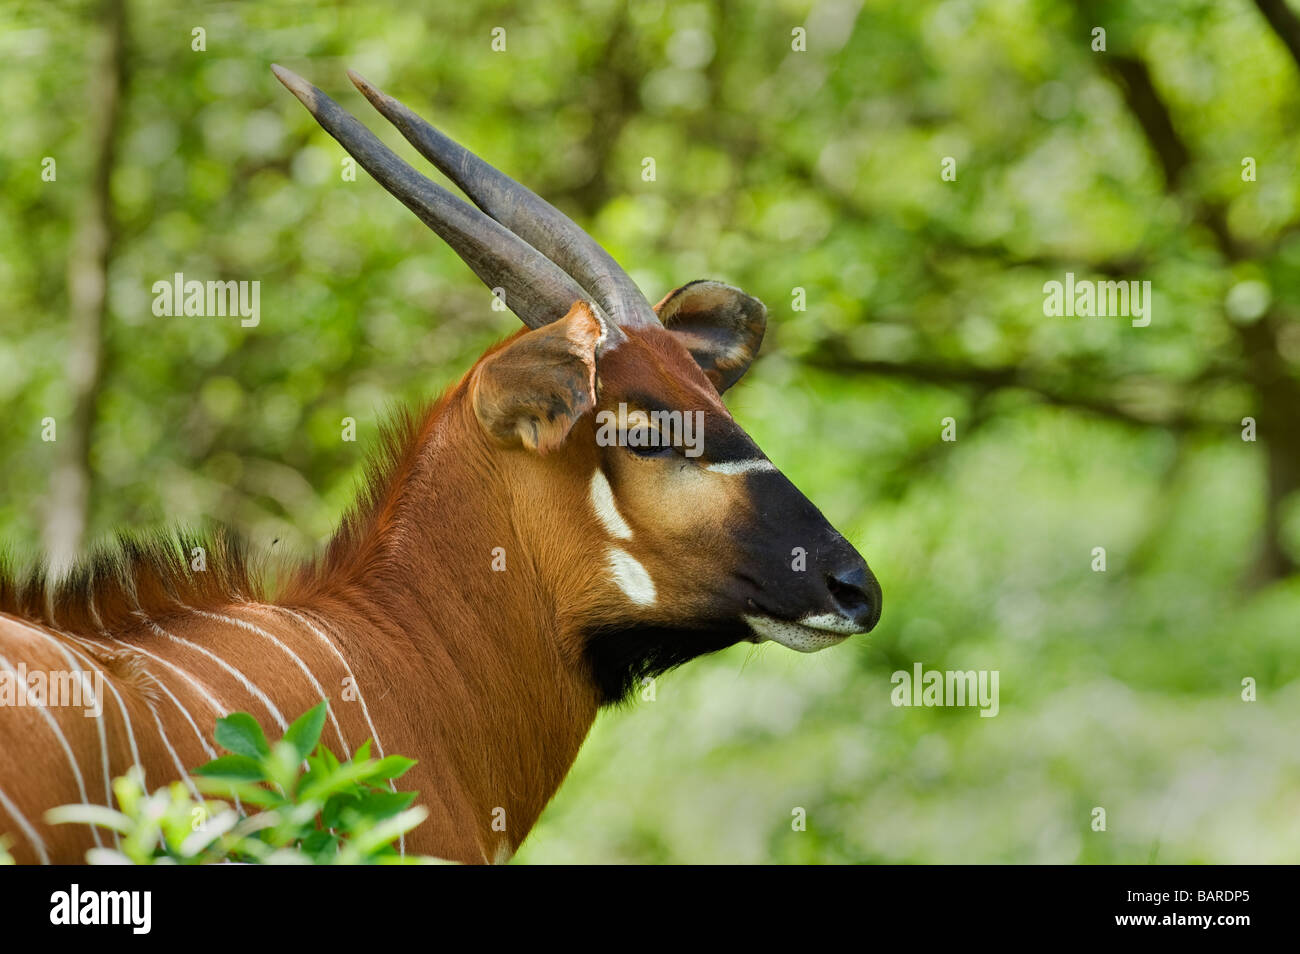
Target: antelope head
{"x":666,"y":531}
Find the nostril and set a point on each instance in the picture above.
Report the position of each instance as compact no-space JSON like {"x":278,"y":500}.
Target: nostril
{"x":856,"y":594}
{"x":848,"y":595}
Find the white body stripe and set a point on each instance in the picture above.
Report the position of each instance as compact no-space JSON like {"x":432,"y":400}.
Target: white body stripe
{"x":242,"y":679}
{"x":121,"y":704}
{"x":82,"y":654}
{"x":320,"y":690}
{"x":99,"y":723}
{"x":37,"y":842}
{"x":220,"y":710}
{"x":324,"y":637}
{"x":217,"y":706}
{"x":211,"y":753}
{"x":99,"y":726}
{"x":176,"y":759}
{"x":374,"y":733}
{"x":67,"y":750}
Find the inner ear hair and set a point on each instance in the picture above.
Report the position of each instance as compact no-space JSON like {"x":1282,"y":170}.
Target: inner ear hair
{"x":532,"y":392}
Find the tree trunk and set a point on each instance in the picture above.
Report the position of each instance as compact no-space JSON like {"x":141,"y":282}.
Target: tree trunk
{"x":69,"y":499}
{"x":1279,"y":431}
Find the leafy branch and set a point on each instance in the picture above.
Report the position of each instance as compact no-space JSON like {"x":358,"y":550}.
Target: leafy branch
{"x":312,"y":808}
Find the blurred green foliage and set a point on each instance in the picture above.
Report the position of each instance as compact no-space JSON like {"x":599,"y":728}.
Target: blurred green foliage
{"x":776,"y":170}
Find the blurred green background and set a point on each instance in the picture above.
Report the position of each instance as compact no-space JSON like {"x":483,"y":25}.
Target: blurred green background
{"x":777,"y":170}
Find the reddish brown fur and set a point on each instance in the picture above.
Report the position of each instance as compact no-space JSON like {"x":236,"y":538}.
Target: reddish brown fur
{"x":478,"y":674}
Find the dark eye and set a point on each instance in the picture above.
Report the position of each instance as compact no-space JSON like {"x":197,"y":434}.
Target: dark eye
{"x":644,"y":442}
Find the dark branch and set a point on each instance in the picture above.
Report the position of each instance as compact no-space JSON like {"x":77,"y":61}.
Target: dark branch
{"x":1284,"y":23}
{"x":1153,"y":116}
{"x":986,"y":380}
{"x":1171,"y":151}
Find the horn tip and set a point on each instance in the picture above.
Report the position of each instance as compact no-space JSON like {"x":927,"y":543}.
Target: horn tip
{"x":296,"y":85}
{"x":367,"y":90}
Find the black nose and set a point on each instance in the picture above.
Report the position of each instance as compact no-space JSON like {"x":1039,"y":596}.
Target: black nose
{"x":856,"y":594}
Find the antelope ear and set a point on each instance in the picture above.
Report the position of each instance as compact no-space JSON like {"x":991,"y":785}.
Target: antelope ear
{"x":534,"y":390}
{"x":720,"y":326}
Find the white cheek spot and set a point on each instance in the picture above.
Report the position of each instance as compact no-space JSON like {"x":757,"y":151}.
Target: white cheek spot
{"x":631,"y":577}
{"x":756,"y":465}
{"x":602,"y":501}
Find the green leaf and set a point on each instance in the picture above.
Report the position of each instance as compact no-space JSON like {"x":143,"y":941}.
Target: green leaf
{"x":100,"y":815}
{"x":390,"y":829}
{"x":107,"y":856}
{"x":305,"y":731}
{"x":316,"y":841}
{"x":347,"y":776}
{"x":383,"y":804}
{"x":286,"y":856}
{"x":213,"y":829}
{"x":331,"y":816}
{"x":392,"y":766}
{"x":240,"y":733}
{"x":239,"y":768}
{"x":247,"y":793}
{"x":129,"y":789}
{"x":282,"y":766}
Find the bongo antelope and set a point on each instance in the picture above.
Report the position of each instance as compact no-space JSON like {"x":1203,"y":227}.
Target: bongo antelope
{"x":504,"y":574}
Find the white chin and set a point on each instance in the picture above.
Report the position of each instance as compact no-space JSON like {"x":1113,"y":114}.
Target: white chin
{"x":806,"y":636}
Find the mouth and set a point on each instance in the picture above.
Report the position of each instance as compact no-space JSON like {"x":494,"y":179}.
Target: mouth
{"x":806,"y":635}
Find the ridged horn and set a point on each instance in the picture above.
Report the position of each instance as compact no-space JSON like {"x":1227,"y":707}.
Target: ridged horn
{"x":536,"y":289}
{"x":522,"y":211}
